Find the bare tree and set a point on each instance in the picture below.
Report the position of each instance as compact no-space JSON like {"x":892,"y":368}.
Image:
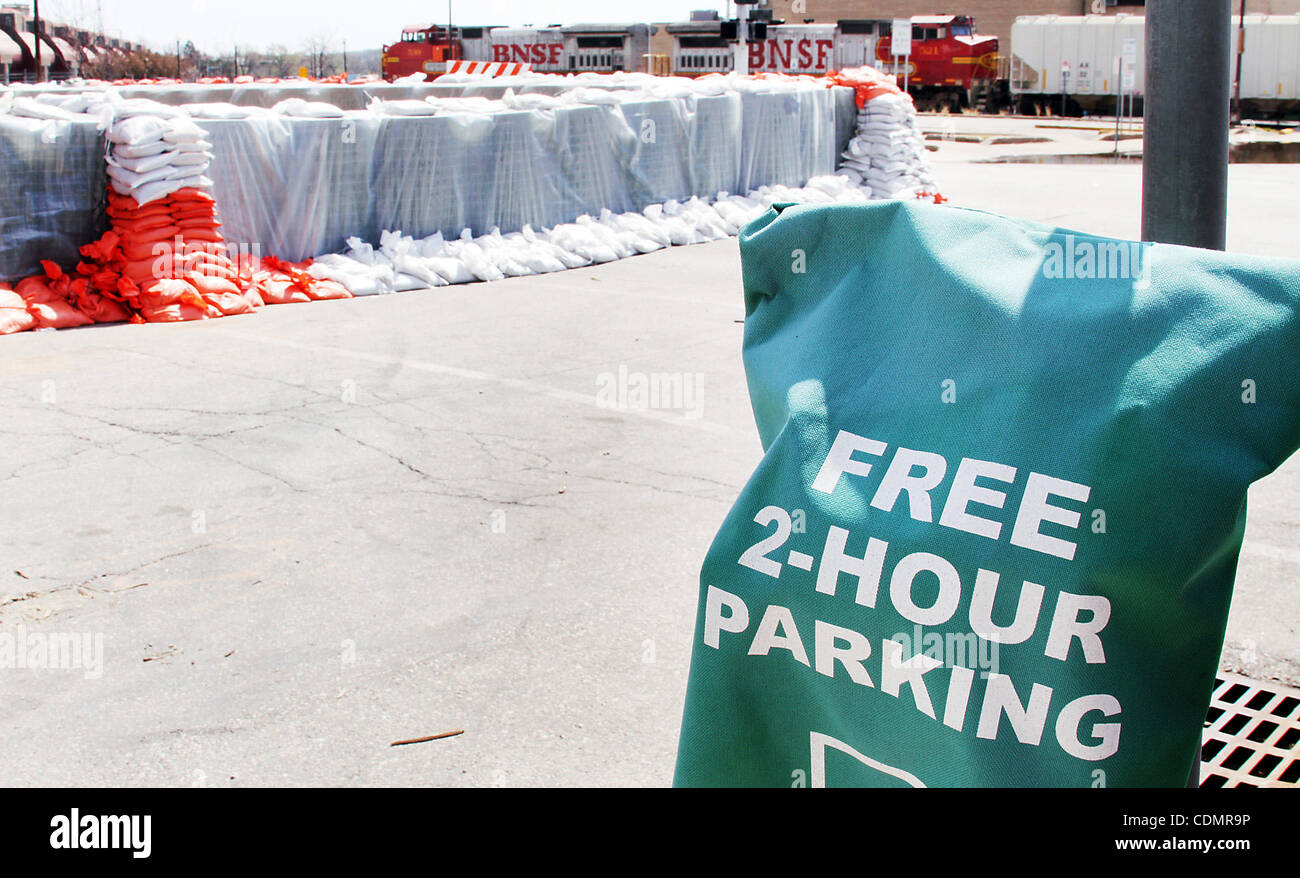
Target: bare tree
{"x":316,"y":48}
{"x":275,"y":61}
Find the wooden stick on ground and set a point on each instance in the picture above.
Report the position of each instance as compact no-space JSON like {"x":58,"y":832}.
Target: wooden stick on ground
{"x":429,"y":738}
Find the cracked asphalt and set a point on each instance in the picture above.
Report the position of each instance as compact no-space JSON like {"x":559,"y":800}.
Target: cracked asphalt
{"x":307,"y":533}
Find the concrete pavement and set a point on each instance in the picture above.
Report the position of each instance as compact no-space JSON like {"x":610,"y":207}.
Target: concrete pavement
{"x":307,"y":533}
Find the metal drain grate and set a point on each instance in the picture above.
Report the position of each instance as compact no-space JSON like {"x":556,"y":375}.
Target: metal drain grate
{"x":1251,"y":735}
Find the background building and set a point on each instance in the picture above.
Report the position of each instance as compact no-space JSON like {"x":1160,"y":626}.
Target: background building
{"x":65,"y":49}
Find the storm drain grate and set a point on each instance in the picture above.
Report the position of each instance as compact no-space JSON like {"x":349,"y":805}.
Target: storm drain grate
{"x":1251,"y":734}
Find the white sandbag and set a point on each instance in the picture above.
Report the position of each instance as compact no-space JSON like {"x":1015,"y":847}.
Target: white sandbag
{"x":405,"y":283}
{"x":360,"y":278}
{"x":219,"y":111}
{"x":402,"y":108}
{"x":301,"y":109}
{"x":138,"y":130}
{"x":619,"y":243}
{"x":474,"y":258}
{"x":182,"y":130}
{"x":580,"y":241}
{"x":140,"y":165}
{"x":126,"y":109}
{"x":126,"y":151}
{"x":565,"y":257}
{"x":149,"y":192}
{"x":533,"y":254}
{"x":191,"y":160}
{"x":134,"y":180}
{"x":31,"y":108}
{"x":498,"y":254}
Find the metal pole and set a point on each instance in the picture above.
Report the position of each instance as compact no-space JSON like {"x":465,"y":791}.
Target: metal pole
{"x":36,"y":13}
{"x":1185,"y":156}
{"x":1119,"y":103}
{"x":742,"y":46}
{"x":1241,"y":51}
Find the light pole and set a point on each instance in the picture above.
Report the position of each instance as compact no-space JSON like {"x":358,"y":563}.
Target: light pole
{"x":36,"y":36}
{"x":1185,"y":155}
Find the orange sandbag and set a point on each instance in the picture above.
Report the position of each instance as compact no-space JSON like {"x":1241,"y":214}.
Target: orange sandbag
{"x":189,"y":225}
{"x":101,"y":309}
{"x":322,"y":290}
{"x":169,"y":291}
{"x":212,"y":270}
{"x":126,"y":227}
{"x":14,"y":316}
{"x":129,"y":214}
{"x":203,"y":234}
{"x":37,"y":289}
{"x":194,"y":210}
{"x":208,"y":285}
{"x":57,"y":314}
{"x":230,"y":304}
{"x":278,"y":289}
{"x":142,"y":271}
{"x":190,"y":194}
{"x":178,"y":313}
{"x":101,"y":250}
{"x":171,"y":300}
{"x":138,"y":249}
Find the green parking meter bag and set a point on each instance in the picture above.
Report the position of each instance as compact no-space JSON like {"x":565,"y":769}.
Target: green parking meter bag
{"x":993,"y":537}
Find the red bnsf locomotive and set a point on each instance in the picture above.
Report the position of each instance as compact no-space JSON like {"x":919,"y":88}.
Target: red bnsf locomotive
{"x":950,"y":64}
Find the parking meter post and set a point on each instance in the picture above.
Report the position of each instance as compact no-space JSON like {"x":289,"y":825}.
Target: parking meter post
{"x":1188,"y":92}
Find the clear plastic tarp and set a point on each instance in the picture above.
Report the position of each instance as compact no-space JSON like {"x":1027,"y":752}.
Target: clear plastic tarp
{"x":299,"y":187}
{"x":52,"y":180}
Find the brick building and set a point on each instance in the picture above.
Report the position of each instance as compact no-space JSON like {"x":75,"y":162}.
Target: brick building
{"x":992,"y":17}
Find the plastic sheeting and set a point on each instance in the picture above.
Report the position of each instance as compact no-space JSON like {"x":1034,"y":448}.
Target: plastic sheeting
{"x":301,"y":187}
{"x":52,"y":180}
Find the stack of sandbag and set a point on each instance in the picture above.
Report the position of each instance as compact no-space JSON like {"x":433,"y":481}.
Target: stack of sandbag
{"x":161,"y":207}
{"x":164,"y":258}
{"x":14,"y":316}
{"x":887,"y":152}
{"x":155,"y":150}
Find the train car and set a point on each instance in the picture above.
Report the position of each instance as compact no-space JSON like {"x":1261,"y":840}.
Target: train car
{"x":1070,"y":61}
{"x":699,"y":49}
{"x":423,"y":48}
{"x":542,"y":48}
{"x":581,"y":48}
{"x":951,"y":66}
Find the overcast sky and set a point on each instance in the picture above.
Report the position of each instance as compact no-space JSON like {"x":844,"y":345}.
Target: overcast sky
{"x":216,"y":25}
